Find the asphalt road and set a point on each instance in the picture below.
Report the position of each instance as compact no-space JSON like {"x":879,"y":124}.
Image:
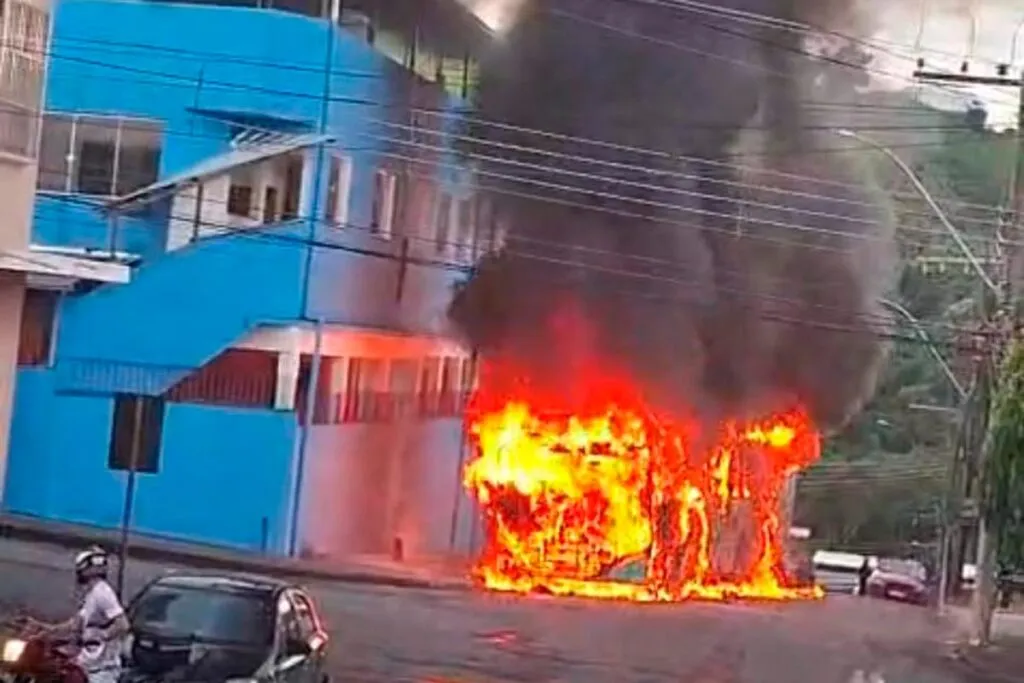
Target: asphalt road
{"x":388,"y":635}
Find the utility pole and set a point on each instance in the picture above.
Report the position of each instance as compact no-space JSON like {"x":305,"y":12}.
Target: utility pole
{"x":1005,"y":311}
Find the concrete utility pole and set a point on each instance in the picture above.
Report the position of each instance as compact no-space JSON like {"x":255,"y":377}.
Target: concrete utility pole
{"x":1007,"y":309}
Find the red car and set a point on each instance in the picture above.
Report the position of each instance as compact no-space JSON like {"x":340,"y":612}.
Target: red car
{"x":900,"y":580}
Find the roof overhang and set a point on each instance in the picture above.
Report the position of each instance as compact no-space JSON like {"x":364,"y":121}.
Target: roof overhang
{"x":47,"y":270}
{"x":255,"y":119}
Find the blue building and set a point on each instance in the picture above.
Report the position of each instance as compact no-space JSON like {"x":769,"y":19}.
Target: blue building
{"x":279,"y":177}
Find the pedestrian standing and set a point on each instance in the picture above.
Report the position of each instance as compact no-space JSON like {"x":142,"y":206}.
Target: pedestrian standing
{"x":863,"y":574}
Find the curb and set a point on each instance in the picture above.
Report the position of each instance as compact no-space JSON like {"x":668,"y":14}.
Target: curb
{"x":968,"y":656}
{"x":151,"y":550}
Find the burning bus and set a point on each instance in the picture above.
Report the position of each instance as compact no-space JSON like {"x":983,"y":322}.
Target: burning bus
{"x":575,"y":502}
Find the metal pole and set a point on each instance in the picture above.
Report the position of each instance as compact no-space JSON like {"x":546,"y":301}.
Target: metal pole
{"x":943,"y":563}
{"x":113,"y":228}
{"x":318,"y":169}
{"x":1009,"y":239}
{"x":197,"y":213}
{"x":307,"y":425}
{"x":129,"y":493}
{"x":954,"y":232}
{"x":923,"y":335}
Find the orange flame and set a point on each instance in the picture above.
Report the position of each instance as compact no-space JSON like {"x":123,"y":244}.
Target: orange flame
{"x":567,"y":498}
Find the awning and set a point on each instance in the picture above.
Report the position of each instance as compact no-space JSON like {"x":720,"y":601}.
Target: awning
{"x":218,"y":165}
{"x":60,"y":267}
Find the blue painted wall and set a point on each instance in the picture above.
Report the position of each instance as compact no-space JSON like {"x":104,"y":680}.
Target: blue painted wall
{"x":60,"y":443}
{"x":165,"y":61}
{"x":178,"y":312}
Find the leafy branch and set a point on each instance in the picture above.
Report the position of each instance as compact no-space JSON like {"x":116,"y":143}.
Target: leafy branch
{"x":1005,"y":463}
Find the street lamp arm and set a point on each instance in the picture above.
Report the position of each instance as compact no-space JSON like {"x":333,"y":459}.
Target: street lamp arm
{"x":923,"y":335}
{"x":1016,"y":39}
{"x":923,"y":191}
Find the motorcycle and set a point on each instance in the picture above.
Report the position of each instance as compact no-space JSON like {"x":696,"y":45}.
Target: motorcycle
{"x":39,"y":659}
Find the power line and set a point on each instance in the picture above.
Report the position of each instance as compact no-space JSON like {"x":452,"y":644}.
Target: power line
{"x":741,"y":202}
{"x":584,"y":249}
{"x":880,"y":330}
{"x":631,"y":256}
{"x":780,"y":24}
{"x":463,"y":116}
{"x":662,"y":173}
{"x":318,"y":68}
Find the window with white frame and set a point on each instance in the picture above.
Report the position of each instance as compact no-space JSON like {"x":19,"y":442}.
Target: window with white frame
{"x":339,"y":191}
{"x":485,"y":226}
{"x":442,"y":222}
{"x":22,"y":69}
{"x":385,"y":189}
{"x":98,"y":155}
{"x":465,"y":227}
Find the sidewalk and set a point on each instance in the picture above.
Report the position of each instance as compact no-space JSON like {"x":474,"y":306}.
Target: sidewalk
{"x":1001,"y":662}
{"x":430,"y":573}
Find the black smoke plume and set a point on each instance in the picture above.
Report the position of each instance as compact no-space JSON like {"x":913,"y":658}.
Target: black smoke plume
{"x":725,"y":281}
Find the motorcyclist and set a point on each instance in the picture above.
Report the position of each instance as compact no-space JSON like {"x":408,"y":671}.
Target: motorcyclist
{"x":100,"y":621}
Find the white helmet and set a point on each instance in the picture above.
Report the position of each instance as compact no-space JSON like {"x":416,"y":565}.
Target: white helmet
{"x":91,"y":564}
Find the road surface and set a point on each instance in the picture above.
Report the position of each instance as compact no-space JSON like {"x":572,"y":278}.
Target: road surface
{"x":387,"y":635}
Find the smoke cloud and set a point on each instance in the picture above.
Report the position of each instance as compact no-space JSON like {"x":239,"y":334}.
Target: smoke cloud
{"x":727,"y":281}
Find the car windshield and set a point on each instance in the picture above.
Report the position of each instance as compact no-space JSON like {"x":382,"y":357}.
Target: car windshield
{"x":205,"y":614}
{"x":909,"y":568}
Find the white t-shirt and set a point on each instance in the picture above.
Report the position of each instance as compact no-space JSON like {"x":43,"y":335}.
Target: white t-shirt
{"x":100,"y":607}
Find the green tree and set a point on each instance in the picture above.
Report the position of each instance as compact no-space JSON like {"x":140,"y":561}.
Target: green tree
{"x":1004,"y":473}
{"x":967,"y":170}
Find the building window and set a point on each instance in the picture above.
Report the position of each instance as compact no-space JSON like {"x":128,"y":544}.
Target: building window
{"x":448,"y":388}
{"x":38,"y":314}
{"x":22,"y":67}
{"x":365,"y":390}
{"x":98,"y":155}
{"x":95,"y":156}
{"x":17,"y":130}
{"x":402,"y":379}
{"x":138,"y":156}
{"x":243,"y":378}
{"x":430,"y":372}
{"x":136,"y":433}
{"x":470,"y":377}
{"x":383,"y":210}
{"x":55,"y":158}
{"x":338,"y":191}
{"x":463,"y":230}
{"x":485,"y":223}
{"x":269,"y":205}
{"x":240,"y":200}
{"x":442,"y":222}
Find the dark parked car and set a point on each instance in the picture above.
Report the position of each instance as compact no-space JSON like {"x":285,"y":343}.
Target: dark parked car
{"x":212,"y":629}
{"x":901,"y":580}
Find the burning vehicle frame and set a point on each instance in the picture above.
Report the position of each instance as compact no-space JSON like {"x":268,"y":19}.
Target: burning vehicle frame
{"x":567,"y":497}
